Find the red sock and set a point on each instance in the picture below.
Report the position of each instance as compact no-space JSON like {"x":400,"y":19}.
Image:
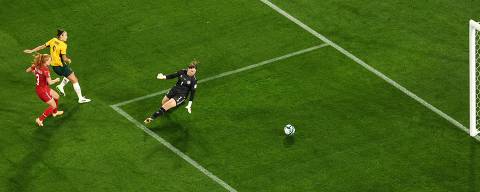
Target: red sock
{"x":46,"y":113}
{"x":56,"y":108}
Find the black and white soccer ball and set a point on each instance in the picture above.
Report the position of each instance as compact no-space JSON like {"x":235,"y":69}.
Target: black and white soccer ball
{"x":289,"y":130}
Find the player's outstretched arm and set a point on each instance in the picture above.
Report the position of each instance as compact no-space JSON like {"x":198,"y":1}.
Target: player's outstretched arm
{"x":35,"y":49}
{"x":50,"y":81}
{"x":29,"y":69}
{"x":170,"y":76}
{"x":65,"y":58}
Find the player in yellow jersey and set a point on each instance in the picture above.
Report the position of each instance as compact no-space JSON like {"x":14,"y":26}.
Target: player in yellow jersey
{"x":58,"y":52}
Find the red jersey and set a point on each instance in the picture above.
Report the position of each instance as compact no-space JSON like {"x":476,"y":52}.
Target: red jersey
{"x":41,"y":75}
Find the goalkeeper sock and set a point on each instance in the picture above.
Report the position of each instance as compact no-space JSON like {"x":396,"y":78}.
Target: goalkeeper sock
{"x":159,"y":113}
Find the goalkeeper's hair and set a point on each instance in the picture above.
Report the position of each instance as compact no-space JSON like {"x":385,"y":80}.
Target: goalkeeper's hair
{"x":193,"y":64}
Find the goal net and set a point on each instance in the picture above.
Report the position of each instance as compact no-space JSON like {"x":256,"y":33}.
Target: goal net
{"x":474,"y":47}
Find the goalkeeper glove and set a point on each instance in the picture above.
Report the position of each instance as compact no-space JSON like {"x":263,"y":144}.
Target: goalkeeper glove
{"x":161,"y":76}
{"x":189,"y":107}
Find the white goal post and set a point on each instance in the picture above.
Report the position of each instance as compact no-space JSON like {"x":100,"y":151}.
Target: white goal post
{"x":474,"y":52}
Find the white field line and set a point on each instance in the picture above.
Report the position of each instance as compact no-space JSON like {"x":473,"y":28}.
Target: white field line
{"x":368,"y":67}
{"x":174,"y":149}
{"x":229,"y":72}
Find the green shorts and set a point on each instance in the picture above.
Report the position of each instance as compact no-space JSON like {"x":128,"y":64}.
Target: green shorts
{"x":62,"y":70}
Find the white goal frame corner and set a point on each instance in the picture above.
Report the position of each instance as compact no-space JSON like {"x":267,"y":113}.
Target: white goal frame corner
{"x":473,"y":28}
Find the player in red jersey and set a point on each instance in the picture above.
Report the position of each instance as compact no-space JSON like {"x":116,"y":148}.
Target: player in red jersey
{"x":42,"y":75}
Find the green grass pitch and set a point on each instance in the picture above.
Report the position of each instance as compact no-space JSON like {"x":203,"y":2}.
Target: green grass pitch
{"x":355,"y":132}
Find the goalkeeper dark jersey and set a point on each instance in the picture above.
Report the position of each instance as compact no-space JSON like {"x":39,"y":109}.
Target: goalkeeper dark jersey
{"x":185,"y":84}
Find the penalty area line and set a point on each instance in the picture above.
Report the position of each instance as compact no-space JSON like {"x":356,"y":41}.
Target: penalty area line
{"x":367,"y":67}
{"x":117,"y":108}
{"x":230,"y":72}
{"x":174,"y":149}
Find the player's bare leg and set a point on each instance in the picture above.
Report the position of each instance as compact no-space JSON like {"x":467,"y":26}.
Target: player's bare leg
{"x":165,"y":107}
{"x":76,"y":87}
{"x":165,"y":99}
{"x":171,"y":103}
{"x":72,"y":78}
{"x":58,"y":113}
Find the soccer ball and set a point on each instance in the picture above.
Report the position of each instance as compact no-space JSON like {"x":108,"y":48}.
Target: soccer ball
{"x":289,"y":130}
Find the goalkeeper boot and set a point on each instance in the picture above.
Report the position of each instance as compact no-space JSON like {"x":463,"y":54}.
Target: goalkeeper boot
{"x":148,"y":120}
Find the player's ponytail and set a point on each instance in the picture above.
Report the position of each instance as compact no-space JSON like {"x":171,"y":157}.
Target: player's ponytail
{"x":40,"y":59}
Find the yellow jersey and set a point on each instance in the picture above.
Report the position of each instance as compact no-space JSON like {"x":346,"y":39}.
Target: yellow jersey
{"x":57,"y":49}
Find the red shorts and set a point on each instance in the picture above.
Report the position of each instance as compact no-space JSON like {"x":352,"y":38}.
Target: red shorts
{"x":44,"y":94}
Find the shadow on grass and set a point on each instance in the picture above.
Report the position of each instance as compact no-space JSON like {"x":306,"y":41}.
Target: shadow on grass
{"x":172,"y":131}
{"x":289,"y":141}
{"x":40,"y":144}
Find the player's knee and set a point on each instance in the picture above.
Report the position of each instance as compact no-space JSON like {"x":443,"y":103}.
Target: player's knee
{"x":52,"y":103}
{"x":165,"y":99}
{"x":55,"y":95}
{"x":72,"y":78}
{"x":169,"y":104}
{"x":165,"y":106}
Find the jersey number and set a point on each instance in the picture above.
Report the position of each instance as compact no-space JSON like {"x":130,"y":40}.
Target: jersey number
{"x":38,"y":78}
{"x":54,"y":48}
